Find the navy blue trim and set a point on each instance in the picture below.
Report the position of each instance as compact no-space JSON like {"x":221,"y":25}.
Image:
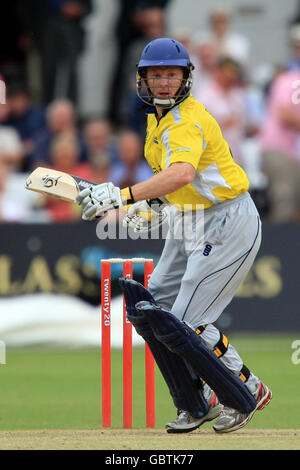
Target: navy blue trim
{"x":150,"y":110}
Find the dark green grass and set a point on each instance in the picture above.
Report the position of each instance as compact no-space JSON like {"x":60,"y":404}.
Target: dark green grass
{"x":53,"y":389}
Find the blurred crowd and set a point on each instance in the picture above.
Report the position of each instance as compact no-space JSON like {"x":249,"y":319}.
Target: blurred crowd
{"x":41,"y":125}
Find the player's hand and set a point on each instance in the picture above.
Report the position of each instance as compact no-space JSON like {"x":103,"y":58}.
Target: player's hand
{"x":99,"y":199}
{"x":144,"y":216}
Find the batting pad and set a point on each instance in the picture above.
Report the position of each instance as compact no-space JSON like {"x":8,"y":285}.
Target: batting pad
{"x":184,"y":341}
{"x":183,"y":385}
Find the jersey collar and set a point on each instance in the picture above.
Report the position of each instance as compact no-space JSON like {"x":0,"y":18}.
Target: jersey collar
{"x":152,"y":109}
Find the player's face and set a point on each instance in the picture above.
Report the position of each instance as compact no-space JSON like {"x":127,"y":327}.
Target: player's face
{"x":164,"y":82}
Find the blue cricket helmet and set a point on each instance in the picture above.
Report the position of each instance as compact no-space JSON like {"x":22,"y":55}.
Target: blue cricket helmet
{"x":164,"y":52}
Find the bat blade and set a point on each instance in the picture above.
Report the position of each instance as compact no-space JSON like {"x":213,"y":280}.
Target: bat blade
{"x":56,"y":183}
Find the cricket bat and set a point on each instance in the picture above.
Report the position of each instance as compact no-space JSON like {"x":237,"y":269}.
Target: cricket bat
{"x":56,"y":183}
{"x":65,"y":186}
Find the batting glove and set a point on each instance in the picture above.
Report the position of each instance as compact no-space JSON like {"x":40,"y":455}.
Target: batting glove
{"x":99,"y":199}
{"x":145,"y":216}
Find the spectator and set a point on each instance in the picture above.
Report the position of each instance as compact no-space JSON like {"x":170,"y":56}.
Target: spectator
{"x":30,"y":15}
{"x":25,"y":118}
{"x":65,"y":153}
{"x":10,"y":148}
{"x":12,"y":56}
{"x":228,"y":43}
{"x":184,"y":35}
{"x":4,"y":113}
{"x":294,"y":37}
{"x":224,"y":98}
{"x":97,"y":133}
{"x":280,"y":147}
{"x":10,"y":208}
{"x":62,"y":41}
{"x":252,"y":160}
{"x":15,"y":203}
{"x":152,"y":25}
{"x":132,"y":167}
{"x":130,"y":26}
{"x":60,"y":118}
{"x":205,"y":61}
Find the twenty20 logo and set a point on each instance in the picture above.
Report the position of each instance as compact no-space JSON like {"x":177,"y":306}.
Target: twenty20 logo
{"x":106,"y":302}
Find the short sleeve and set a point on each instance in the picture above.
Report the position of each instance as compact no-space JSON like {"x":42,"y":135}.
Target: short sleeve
{"x":184,"y":143}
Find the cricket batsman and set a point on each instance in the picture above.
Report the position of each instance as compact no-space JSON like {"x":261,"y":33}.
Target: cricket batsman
{"x":205,"y":193}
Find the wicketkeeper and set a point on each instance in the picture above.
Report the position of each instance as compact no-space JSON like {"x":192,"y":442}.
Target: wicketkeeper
{"x":214,"y":236}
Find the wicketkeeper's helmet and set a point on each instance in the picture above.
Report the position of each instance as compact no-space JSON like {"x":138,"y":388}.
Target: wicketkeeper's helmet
{"x":164,"y":52}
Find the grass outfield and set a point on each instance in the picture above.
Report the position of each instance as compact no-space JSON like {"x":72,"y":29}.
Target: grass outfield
{"x":60,"y":390}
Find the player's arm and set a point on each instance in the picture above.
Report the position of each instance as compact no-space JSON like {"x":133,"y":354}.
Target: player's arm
{"x":101,"y":198}
{"x":180,"y":172}
{"x":149,"y":212}
{"x":167,"y":181}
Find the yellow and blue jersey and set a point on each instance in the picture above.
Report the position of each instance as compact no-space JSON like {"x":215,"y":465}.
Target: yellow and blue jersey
{"x":189,"y":133}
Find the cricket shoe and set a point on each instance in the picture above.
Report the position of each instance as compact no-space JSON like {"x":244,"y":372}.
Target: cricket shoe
{"x":187,"y":423}
{"x":231,"y":420}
